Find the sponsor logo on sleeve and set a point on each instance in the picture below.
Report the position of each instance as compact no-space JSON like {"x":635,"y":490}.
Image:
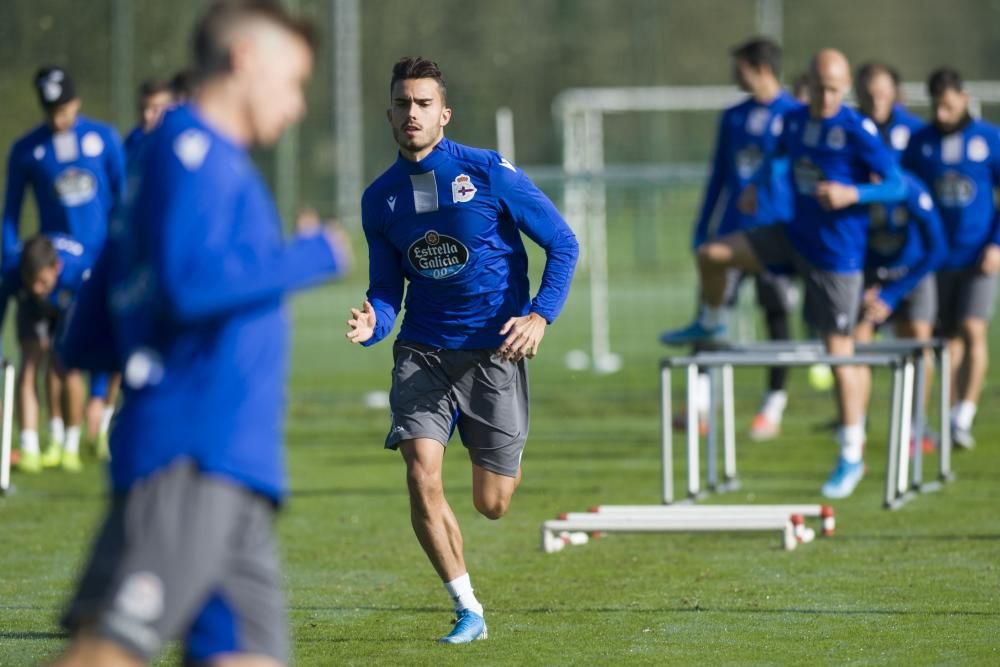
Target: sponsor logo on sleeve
{"x":191,"y":147}
{"x":437,"y":256}
{"x":869,"y":125}
{"x":462,"y":189}
{"x":505,"y":163}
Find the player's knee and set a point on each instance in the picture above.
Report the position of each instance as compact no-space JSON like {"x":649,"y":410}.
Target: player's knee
{"x":423,"y":483}
{"x":712,"y":254}
{"x":973,"y":331}
{"x":492,"y":507}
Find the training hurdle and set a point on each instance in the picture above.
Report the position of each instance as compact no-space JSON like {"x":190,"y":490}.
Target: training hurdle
{"x":904,"y":356}
{"x":788,"y":520}
{"x":8,"y":425}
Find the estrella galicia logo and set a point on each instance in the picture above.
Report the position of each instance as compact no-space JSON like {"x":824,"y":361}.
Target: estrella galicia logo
{"x":955,"y":190}
{"x":76,"y":187}
{"x":807,"y":174}
{"x":438,"y":256}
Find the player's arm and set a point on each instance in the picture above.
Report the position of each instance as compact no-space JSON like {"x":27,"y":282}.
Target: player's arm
{"x":204,"y":278}
{"x":922,"y":212}
{"x":889,"y":189}
{"x":16,"y":183}
{"x":537,"y":217}
{"x":713,"y":189}
{"x":377,"y":315}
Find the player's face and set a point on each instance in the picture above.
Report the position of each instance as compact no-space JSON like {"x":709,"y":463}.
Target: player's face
{"x":950,"y":108}
{"x":63,"y":117}
{"x":153,"y":108}
{"x":277,"y":66}
{"x":44,"y":282}
{"x":418,"y":116}
{"x":743,"y":74}
{"x":877,"y":97}
{"x":826,"y":91}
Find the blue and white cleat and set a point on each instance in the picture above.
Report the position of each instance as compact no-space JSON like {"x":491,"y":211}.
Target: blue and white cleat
{"x":844,"y":479}
{"x":693,"y":333}
{"x":469,"y":627}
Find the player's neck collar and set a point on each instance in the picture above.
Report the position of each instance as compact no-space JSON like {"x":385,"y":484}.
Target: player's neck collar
{"x":434,"y":159}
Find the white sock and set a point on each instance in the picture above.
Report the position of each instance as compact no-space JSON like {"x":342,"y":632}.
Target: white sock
{"x":852,"y":442}
{"x":774,"y":405}
{"x":712,"y":316}
{"x":963,"y":413}
{"x":57,"y":430}
{"x":72,"y":445}
{"x":460,"y":591}
{"x":109,"y":412}
{"x":29,"y":442}
{"x":703,"y":395}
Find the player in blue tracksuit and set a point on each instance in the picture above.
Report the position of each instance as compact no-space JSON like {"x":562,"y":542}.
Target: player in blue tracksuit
{"x":155,"y":97}
{"x":445,"y":223}
{"x":832,"y":151}
{"x":75,"y":169}
{"x":189,"y":299}
{"x":958,"y":158}
{"x":747,"y":132}
{"x":878,"y":99}
{"x":45,"y":276}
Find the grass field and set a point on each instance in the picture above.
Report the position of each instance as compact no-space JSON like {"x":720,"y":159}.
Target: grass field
{"x":916,"y":586}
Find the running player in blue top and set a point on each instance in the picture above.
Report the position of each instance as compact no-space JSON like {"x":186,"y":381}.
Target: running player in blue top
{"x":445,"y":221}
{"x":958,"y":158}
{"x":189,"y":299}
{"x":878,"y":99}
{"x":832,"y":151}
{"x":747,"y":133}
{"x":45,"y":277}
{"x":74,"y":167}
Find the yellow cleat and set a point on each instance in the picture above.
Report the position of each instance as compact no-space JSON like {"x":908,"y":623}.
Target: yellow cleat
{"x":71,"y":462}
{"x":30,"y":463}
{"x":52,"y":455}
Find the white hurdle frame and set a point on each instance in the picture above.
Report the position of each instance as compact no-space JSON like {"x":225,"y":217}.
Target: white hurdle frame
{"x":8,"y":426}
{"x":802,"y":356}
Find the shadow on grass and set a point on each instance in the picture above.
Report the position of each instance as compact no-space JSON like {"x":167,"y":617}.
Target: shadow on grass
{"x":664,"y":610}
{"x":33,"y":636}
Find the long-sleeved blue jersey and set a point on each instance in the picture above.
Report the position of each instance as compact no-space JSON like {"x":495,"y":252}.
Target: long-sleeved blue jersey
{"x":905,"y":242}
{"x":76,"y":266}
{"x":77,"y":178}
{"x":451,"y":226}
{"x":844,"y":148}
{"x":189,"y":295}
{"x":897,"y":131}
{"x":747,"y":133}
{"x":961,"y":169}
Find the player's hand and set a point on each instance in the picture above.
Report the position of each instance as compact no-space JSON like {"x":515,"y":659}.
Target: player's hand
{"x":524,"y":335}
{"x":877,"y":311}
{"x":834,"y":196}
{"x":307,"y":222}
{"x":747,"y":202}
{"x":989,"y":261}
{"x":362,"y":323}
{"x":340,"y":246}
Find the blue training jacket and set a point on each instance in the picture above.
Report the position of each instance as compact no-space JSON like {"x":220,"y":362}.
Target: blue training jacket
{"x":747,"y":133}
{"x":77,"y":177}
{"x":961,"y":169}
{"x":76,"y":265}
{"x":188,"y":299}
{"x":450,"y":225}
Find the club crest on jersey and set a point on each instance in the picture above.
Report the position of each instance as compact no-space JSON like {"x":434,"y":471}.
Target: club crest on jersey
{"x":954,"y":190}
{"x":757,"y":121}
{"x":462,"y":189}
{"x":92,"y":145}
{"x":978,"y":150}
{"x":836,"y":138}
{"x":438,"y":256}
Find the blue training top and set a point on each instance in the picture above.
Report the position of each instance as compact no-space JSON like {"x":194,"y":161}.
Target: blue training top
{"x":897,"y":131}
{"x":844,"y":148}
{"x":747,"y":133}
{"x":188,"y":300}
{"x":905,"y":242}
{"x":451,"y":225}
{"x":961,"y":169}
{"x":76,"y":265}
{"x":77,"y":177}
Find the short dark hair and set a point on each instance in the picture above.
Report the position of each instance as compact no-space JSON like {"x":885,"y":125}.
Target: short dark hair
{"x":182,"y":84}
{"x":212,"y":41}
{"x":870,"y":70}
{"x":758,"y":52}
{"x":38,"y":253}
{"x":417,"y":67}
{"x":944,"y":79}
{"x":151,"y":87}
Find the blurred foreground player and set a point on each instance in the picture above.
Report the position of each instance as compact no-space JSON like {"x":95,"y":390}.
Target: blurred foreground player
{"x":446,"y":220}
{"x":958,"y":158}
{"x":191,"y":292}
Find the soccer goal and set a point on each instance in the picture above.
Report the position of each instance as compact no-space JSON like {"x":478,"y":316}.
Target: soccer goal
{"x":581,"y":114}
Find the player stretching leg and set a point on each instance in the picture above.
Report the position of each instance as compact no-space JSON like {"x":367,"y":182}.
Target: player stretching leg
{"x":447,"y":221}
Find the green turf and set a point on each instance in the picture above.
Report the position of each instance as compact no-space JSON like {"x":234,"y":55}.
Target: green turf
{"x":916,"y":586}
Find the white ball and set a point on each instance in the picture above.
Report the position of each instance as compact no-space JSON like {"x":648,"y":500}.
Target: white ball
{"x":577,"y":360}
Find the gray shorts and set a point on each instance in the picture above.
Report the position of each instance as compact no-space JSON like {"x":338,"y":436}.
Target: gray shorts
{"x":434,"y":390}
{"x":920,"y":305}
{"x":775,"y":292}
{"x":832,"y":299}
{"x":185,"y":555}
{"x":964,"y":294}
